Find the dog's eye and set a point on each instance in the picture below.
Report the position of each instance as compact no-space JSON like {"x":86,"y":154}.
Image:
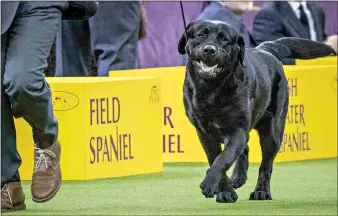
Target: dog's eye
{"x":200,"y":36}
{"x":222,"y":39}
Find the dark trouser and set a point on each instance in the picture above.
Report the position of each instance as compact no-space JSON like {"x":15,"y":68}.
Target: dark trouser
{"x":111,"y":35}
{"x":24,"y":92}
{"x":73,"y":49}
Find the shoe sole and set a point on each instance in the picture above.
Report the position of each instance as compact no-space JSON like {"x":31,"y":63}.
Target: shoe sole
{"x":47,"y":198}
{"x":15,"y":208}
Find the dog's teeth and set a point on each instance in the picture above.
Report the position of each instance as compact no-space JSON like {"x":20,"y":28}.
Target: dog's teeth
{"x":206,"y":68}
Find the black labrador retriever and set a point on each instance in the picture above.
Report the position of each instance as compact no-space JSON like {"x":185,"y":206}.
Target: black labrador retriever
{"x":230,"y":90}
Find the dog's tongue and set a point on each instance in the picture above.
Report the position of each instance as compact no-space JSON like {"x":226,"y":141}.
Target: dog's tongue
{"x":206,"y":68}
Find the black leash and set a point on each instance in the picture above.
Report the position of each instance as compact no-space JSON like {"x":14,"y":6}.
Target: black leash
{"x":185,"y":25}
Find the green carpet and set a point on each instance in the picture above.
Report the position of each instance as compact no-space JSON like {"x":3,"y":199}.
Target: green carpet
{"x":298,"y":188}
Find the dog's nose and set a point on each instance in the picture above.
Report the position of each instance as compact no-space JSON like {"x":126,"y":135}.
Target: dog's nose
{"x":209,"y":50}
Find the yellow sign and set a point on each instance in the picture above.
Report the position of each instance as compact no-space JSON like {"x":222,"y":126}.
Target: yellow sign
{"x":331,"y":60}
{"x":179,"y":141}
{"x":311,"y":130}
{"x":106,"y":127}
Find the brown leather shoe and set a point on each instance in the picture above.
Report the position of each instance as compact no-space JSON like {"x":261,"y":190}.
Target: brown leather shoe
{"x":47,"y":176}
{"x":12,"y":197}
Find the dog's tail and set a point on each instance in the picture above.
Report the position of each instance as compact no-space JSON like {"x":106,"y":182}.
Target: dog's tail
{"x":296,"y":48}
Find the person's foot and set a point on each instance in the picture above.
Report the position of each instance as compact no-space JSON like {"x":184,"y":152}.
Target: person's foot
{"x":12,"y":197}
{"x":47,"y":176}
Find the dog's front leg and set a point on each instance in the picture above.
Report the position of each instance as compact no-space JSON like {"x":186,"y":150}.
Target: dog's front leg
{"x":211,"y":147}
{"x":216,"y":180}
{"x":239,"y":173}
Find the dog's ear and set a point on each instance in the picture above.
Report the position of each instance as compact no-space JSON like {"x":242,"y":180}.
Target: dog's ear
{"x":241,"y":44}
{"x":183,"y":41}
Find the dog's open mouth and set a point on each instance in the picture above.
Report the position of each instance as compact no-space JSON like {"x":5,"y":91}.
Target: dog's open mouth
{"x":206,"y":71}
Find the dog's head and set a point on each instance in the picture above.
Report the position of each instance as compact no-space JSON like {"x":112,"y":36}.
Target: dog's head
{"x":213,"y":47}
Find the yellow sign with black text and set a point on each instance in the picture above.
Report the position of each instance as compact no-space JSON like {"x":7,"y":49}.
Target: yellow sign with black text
{"x":106,"y":127}
{"x":179,"y":141}
{"x":311,"y":129}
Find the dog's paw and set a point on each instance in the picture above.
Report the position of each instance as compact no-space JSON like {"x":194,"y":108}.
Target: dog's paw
{"x":238,"y":180}
{"x":211,"y":184}
{"x":260,"y":195}
{"x":227,"y":197}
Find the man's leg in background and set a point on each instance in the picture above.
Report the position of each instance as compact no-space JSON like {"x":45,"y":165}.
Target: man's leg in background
{"x":114,"y":35}
{"x":73,"y":49}
{"x":29,"y":40}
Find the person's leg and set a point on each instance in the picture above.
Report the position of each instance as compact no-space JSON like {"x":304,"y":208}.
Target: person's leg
{"x":73,"y":49}
{"x":12,"y":196}
{"x":30,"y":39}
{"x":114,"y":35}
{"x":10,"y":158}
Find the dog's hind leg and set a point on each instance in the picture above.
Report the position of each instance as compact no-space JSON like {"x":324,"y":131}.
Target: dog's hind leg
{"x":270,"y":141}
{"x":239,"y":173}
{"x":270,"y":129}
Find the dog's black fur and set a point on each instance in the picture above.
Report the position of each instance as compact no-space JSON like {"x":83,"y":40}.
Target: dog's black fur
{"x":247,"y":90}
